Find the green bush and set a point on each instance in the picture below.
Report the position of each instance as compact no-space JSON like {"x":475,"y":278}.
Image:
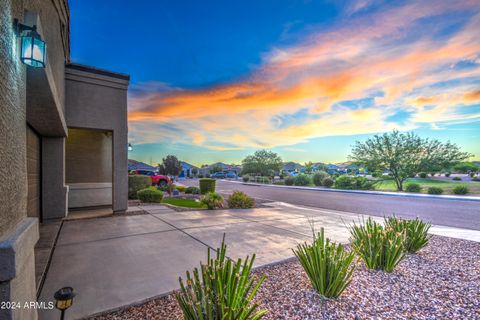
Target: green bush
{"x":380,"y":248}
{"x":181,"y":188}
{"x":435,"y":190}
{"x":328,"y":265}
{"x":239,"y":200}
{"x":200,"y":176}
{"x":460,"y":190}
{"x":212,"y":200}
{"x":262,"y":179}
{"x":302,"y":180}
{"x":137,"y":183}
{"x":150,"y":194}
{"x":207,"y":185}
{"x":457,"y":178}
{"x":192,"y":190}
{"x":447,"y":174}
{"x":416,"y":232}
{"x":413,"y":187}
{"x":222,"y":289}
{"x":471,"y":174}
{"x":328,"y":182}
{"x":318,"y":177}
{"x":289,"y":181}
{"x":353,"y":183}
{"x":476,"y":178}
{"x":246,"y":178}
{"x":422,"y":175}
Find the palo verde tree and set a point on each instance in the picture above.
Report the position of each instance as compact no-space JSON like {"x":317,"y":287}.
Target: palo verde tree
{"x":262,"y":162}
{"x":170,"y":166}
{"x":405,"y":154}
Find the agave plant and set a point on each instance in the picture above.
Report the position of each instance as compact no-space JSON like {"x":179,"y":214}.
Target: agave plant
{"x":380,"y":248}
{"x":416,"y":232}
{"x":328,"y":265}
{"x":221,"y":290}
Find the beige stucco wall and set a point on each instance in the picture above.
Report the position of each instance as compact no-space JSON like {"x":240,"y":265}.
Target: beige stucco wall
{"x":88,"y":156}
{"x":13,"y":189}
{"x":18,"y":234}
{"x":98,"y":100}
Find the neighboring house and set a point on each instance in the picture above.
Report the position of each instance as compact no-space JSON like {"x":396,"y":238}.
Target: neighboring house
{"x":187,"y":170}
{"x":137,"y":165}
{"x":332,"y":168}
{"x":292,"y":167}
{"x":64,"y":137}
{"x":206,"y":170}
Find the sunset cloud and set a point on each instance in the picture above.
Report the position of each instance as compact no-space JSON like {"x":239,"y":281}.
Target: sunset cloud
{"x":353,"y":78}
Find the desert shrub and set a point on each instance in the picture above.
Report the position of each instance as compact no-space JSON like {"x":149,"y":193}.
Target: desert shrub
{"x":137,"y":183}
{"x":447,"y":174}
{"x":328,"y":182}
{"x":380,"y":248}
{"x":289,"y":181}
{"x":422,"y":175}
{"x":327,"y":265}
{"x":318,"y":177}
{"x":416,"y":232}
{"x":460,"y":190}
{"x":353,"y":183}
{"x":457,"y":178}
{"x":476,"y":178}
{"x":200,"y":176}
{"x":150,"y":194}
{"x":207,"y":185}
{"x":435,"y":190}
{"x":192,"y":190}
{"x":262,"y":179}
{"x":239,"y":200}
{"x":301,"y":180}
{"x":413,"y":187}
{"x":471,"y":174}
{"x":246,"y":178}
{"x":222,"y":289}
{"x":181,"y":188}
{"x":212,"y":200}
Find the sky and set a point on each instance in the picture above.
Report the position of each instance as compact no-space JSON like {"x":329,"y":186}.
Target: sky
{"x":216,"y":80}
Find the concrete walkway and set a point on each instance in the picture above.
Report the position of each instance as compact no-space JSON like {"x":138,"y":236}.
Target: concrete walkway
{"x":120,"y":260}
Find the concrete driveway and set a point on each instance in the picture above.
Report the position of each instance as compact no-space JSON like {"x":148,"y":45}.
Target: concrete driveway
{"x":120,"y":260}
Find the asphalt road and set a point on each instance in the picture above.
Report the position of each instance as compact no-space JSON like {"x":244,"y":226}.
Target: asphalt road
{"x":452,"y":213}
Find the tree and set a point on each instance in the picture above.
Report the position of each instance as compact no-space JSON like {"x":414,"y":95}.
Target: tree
{"x":262,"y":162}
{"x":466,"y":167}
{"x":216,"y":168}
{"x":170,"y":166}
{"x":194,"y":172}
{"x":405,"y":154}
{"x":308,"y":167}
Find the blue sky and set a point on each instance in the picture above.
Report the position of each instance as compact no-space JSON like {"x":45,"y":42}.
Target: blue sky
{"x":217,"y":80}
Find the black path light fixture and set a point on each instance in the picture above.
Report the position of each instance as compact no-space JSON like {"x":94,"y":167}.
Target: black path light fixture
{"x":33,"y":50}
{"x":129,"y":147}
{"x":64,"y":300}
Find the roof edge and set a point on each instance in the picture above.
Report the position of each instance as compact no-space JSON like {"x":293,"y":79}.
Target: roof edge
{"x":95,"y":70}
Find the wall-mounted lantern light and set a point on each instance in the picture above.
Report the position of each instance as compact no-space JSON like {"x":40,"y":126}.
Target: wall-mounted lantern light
{"x":33,"y":49}
{"x":64,"y":300}
{"x":130,"y":147}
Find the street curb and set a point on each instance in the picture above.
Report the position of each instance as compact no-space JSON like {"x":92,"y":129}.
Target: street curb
{"x":381,"y":193}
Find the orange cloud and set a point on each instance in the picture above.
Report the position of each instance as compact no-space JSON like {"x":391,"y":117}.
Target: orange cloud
{"x":358,"y":59}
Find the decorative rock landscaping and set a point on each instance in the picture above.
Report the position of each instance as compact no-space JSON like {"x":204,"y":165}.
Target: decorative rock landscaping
{"x":442,"y":281}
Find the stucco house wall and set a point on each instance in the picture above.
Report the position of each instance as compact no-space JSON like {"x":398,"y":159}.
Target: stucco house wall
{"x":97,"y":99}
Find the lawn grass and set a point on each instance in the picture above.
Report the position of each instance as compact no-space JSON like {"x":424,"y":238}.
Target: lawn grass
{"x":186,"y":203}
{"x":447,"y":186}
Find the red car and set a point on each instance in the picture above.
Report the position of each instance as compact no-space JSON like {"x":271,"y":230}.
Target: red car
{"x":157,"y":179}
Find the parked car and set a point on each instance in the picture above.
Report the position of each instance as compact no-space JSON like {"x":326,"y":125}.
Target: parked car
{"x":219,"y":175}
{"x":231,"y":175}
{"x":157,"y":179}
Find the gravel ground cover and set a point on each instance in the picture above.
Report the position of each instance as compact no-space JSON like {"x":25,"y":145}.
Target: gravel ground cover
{"x":442,"y":281}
